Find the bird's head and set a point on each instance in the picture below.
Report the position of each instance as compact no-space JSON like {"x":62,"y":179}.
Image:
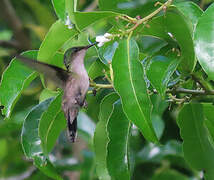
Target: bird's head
{"x":75,"y":53}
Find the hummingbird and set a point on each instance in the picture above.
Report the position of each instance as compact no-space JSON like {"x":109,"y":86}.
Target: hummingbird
{"x":74,"y":81}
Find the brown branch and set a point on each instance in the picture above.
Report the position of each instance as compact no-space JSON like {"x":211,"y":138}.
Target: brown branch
{"x":92,"y":6}
{"x":9,"y":44}
{"x":8,"y":13}
{"x":202,"y":4}
{"x":190,"y":91}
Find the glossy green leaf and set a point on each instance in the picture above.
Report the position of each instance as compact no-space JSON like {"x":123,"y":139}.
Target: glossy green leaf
{"x":130,"y":84}
{"x":42,"y":13}
{"x":97,"y":69}
{"x":150,"y":45}
{"x":4,"y":149}
{"x":106,"y":52}
{"x":131,"y":8}
{"x":198,"y":151}
{"x":204,"y":41}
{"x":182,"y":33}
{"x":118,"y":128}
{"x":101,"y":137}
{"x":14,"y":80}
{"x":169,"y":174}
{"x":47,"y":168}
{"x":86,"y":126}
{"x":91,"y":17}
{"x":209,"y":120}
{"x":190,"y":10}
{"x":159,"y":106}
{"x":51,"y":124}
{"x":46,"y":94}
{"x":157,"y":153}
{"x":59,"y":7}
{"x":54,"y":40}
{"x":160,"y":70}
{"x":164,"y":27}
{"x":31,"y":142}
{"x":71,"y":7}
{"x":110,"y":5}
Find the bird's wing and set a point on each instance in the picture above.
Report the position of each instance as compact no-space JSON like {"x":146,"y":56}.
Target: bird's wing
{"x":54,"y":73}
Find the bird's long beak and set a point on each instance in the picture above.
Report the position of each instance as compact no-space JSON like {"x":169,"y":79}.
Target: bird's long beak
{"x":90,"y":45}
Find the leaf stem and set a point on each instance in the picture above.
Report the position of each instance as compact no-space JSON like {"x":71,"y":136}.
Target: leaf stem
{"x":128,"y":18}
{"x":145,"y":19}
{"x":200,"y":82}
{"x":105,"y":86}
{"x":111,"y":72}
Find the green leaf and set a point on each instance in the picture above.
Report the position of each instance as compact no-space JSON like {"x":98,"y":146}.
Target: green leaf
{"x":130,"y":84}
{"x":159,"y":106}
{"x":150,"y":45}
{"x":197,"y":149}
{"x":96,"y":69}
{"x":157,"y":153}
{"x":46,"y":94}
{"x":160,"y":69}
{"x":190,"y":10}
{"x":164,"y":26}
{"x":209,"y":120}
{"x":14,"y":80}
{"x":4,"y":149}
{"x":31,"y":142}
{"x":54,"y":40}
{"x":106,"y":52}
{"x":51,"y":124}
{"x":109,"y":5}
{"x":71,"y":6}
{"x":47,"y":168}
{"x":204,"y":40}
{"x":131,"y":8}
{"x":169,"y":174}
{"x":87,"y":166}
{"x":182,"y":33}
{"x":118,"y":128}
{"x":86,"y":126}
{"x":59,"y":7}
{"x":101,"y":137}
{"x":91,"y":17}
{"x":42,"y":13}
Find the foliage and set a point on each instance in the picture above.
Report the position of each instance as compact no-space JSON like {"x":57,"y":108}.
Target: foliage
{"x":150,"y":102}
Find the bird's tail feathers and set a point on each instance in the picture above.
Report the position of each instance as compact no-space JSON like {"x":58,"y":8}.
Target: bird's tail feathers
{"x":72,"y":127}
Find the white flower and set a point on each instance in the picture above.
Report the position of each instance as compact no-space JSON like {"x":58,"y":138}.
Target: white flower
{"x":102,"y":39}
{"x":107,"y":35}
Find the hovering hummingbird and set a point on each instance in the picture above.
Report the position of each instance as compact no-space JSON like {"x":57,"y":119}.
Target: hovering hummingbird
{"x":74,"y":82}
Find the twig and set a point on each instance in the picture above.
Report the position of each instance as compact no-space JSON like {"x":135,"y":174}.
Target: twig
{"x":105,"y":86}
{"x":129,"y":19}
{"x":200,"y":82}
{"x":8,"y":13}
{"x":145,"y":19}
{"x":92,"y":6}
{"x":190,"y":91}
{"x":9,"y":44}
{"x":202,"y":4}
